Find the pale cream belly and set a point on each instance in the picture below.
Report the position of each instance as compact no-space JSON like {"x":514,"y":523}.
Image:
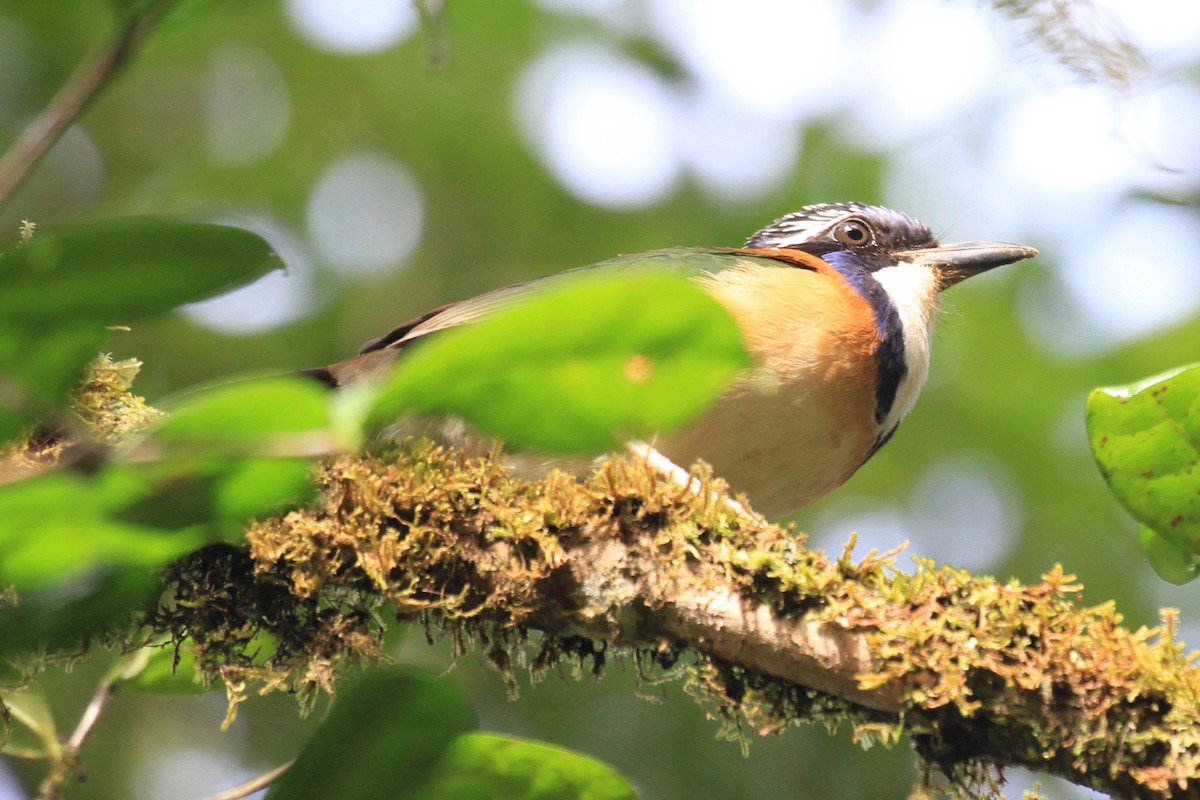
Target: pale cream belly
{"x":784,"y":448}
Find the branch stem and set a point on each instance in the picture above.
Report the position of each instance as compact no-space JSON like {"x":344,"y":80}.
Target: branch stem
{"x":258,"y":782}
{"x":83,"y":85}
{"x":64,"y":765}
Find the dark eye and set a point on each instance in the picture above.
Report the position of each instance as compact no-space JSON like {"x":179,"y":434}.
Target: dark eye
{"x":852,"y":233}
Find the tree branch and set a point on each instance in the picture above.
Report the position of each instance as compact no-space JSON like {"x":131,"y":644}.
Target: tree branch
{"x":92,"y":74}
{"x":63,"y":766}
{"x":979,"y":673}
{"x":255,"y":784}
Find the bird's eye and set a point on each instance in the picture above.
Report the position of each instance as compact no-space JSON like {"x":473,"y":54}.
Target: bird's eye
{"x":852,"y":233}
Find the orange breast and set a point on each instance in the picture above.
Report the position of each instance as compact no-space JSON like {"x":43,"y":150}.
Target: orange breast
{"x":804,"y":420}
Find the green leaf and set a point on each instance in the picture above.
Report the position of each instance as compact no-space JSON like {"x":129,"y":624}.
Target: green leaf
{"x":382,"y":739}
{"x":250,"y":487}
{"x":246,"y":415}
{"x":35,"y":735}
{"x":587,"y":363}
{"x":62,"y":616}
{"x":60,"y":526}
{"x":229,"y":453}
{"x":1174,"y":563}
{"x":59,"y":293}
{"x":38,"y":371}
{"x":1146,"y":440}
{"x":119,"y":271}
{"x":484,"y":766}
{"x":93,"y":540}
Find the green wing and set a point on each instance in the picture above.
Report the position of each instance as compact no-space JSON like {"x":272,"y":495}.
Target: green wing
{"x":683,"y":261}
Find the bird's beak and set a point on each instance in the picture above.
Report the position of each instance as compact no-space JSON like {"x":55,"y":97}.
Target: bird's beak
{"x":956,"y":262}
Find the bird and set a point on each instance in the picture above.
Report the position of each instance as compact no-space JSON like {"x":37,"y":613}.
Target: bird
{"x":836,"y":303}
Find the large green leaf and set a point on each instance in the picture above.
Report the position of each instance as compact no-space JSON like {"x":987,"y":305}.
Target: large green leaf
{"x":484,"y":766}
{"x":58,"y":293}
{"x":384,"y":737}
{"x":61,"y":526}
{"x":38,"y":371}
{"x":579,"y":367}
{"x":226,"y":455}
{"x":61,"y":616}
{"x":119,"y":271}
{"x":1146,"y":440}
{"x":245,"y":415}
{"x":82,"y":550}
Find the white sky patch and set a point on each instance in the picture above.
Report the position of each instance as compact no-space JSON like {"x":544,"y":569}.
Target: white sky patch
{"x":1168,"y":27}
{"x":966,"y":511}
{"x":735,"y":154}
{"x":249,"y":106}
{"x":10,"y":788}
{"x":186,"y":770}
{"x":275,"y":299}
{"x":1138,"y":274}
{"x":932,"y":60}
{"x":1161,"y":126}
{"x":357,"y":27}
{"x":606,"y":126}
{"x":1102,"y":296}
{"x":780,"y":59}
{"x":1057,"y":151}
{"x":941,"y":181}
{"x":365,"y":214}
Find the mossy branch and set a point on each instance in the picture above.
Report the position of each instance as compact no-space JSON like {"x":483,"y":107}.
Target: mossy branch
{"x":977,"y":672}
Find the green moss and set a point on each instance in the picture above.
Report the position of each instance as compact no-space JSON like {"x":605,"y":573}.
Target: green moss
{"x":978,"y":672}
{"x":987,"y":671}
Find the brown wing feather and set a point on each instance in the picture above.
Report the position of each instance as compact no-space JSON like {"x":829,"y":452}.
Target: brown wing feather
{"x":449,"y":315}
{"x":375,"y":354}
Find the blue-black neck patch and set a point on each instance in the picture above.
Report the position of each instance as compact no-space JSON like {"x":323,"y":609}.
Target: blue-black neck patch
{"x":889,"y":355}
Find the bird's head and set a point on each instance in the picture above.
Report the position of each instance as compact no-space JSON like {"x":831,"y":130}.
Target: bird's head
{"x":859,"y":237}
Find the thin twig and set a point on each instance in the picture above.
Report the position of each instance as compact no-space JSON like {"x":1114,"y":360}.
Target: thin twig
{"x":70,"y":101}
{"x":64,"y":765}
{"x":253,"y":785}
{"x":91,"y":715}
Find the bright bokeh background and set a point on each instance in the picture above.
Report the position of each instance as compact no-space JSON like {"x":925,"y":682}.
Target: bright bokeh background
{"x":396,"y":168}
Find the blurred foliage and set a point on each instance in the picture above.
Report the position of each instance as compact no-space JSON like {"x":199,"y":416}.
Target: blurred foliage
{"x":400,"y":734}
{"x":484,"y":766}
{"x":493,"y":215}
{"x":361,"y":753}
